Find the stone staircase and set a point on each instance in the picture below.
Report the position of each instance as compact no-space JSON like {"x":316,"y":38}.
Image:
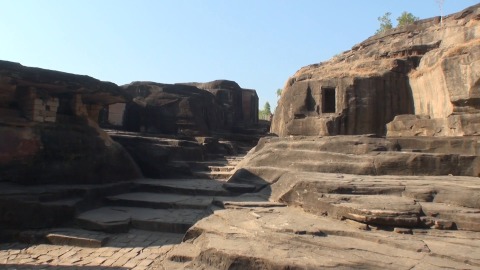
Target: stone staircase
{"x":167,"y":205}
{"x":220,"y":169}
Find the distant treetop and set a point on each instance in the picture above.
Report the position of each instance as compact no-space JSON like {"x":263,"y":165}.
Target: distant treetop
{"x":385,"y":23}
{"x":405,"y":18}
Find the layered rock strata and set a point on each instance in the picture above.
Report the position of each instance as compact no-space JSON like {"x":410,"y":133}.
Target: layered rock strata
{"x":172,"y":109}
{"x":192,"y":109}
{"x":241,"y":104}
{"x":395,"y":183}
{"x":427,"y":70}
{"x":49,"y":131}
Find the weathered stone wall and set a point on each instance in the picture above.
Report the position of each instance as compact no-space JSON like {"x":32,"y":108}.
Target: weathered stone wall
{"x":49,"y":131}
{"x":38,"y":109}
{"x":189,"y":108}
{"x":423,"y":69}
{"x":172,"y":109}
{"x":250,"y":107}
{"x":241,"y":104}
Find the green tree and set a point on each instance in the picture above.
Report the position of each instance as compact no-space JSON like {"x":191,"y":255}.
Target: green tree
{"x":279,"y":92}
{"x":406,"y":18}
{"x":385,"y":23}
{"x":267,"y":109}
{"x":266,"y":112}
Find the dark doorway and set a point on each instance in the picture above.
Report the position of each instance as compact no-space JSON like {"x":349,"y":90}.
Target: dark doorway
{"x":310,"y":101}
{"x":328,"y":100}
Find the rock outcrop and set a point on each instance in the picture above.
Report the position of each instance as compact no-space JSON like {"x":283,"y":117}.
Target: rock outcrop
{"x":192,"y":109}
{"x":360,"y":155}
{"x":287,"y":238}
{"x":49,"y":131}
{"x":427,"y":70}
{"x":241,"y":104}
{"x":172,"y":109}
{"x":376,"y":181}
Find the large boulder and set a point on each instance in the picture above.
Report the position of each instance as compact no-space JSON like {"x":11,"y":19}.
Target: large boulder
{"x":241,"y":104}
{"x":429,"y":69}
{"x":172,"y":109}
{"x":193,"y":109}
{"x":49,"y":131}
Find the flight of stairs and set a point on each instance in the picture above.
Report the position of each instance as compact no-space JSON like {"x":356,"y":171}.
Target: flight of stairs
{"x":167,"y":205}
{"x":101,"y":211}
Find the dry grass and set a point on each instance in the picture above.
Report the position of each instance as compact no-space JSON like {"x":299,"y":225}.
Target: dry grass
{"x":460,"y":49}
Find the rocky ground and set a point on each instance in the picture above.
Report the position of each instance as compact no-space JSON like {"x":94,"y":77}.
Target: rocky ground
{"x":126,"y":225}
{"x":299,"y":220}
{"x":299,"y":202}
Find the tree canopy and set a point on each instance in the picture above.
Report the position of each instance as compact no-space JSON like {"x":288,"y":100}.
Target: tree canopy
{"x":266,"y":112}
{"x":405,"y":18}
{"x":279,"y":92}
{"x":266,"y":108}
{"x":385,"y":23}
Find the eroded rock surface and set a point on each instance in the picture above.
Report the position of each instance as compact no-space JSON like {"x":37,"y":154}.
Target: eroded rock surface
{"x":49,"y":131}
{"x":427,"y":70}
{"x":287,"y":238}
{"x":362,"y":155}
{"x":368,"y":180}
{"x":353,"y":217}
{"x":172,"y":109}
{"x":187,"y":109}
{"x":241,"y":104}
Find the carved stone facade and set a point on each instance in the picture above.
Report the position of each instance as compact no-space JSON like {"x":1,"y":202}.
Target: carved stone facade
{"x":38,"y":109}
{"x":426,"y":70}
{"x":185,"y":109}
{"x":48,"y":129}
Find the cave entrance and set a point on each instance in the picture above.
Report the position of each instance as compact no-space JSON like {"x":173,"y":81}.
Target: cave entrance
{"x":328,"y":100}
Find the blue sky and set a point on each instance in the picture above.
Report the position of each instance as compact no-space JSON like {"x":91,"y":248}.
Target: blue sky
{"x":257,"y":43}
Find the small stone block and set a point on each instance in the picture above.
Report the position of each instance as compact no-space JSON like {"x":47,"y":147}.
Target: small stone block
{"x":402,"y":230}
{"x":50,"y":119}
{"x":358,"y":225}
{"x":38,"y":119}
{"x":428,"y":221}
{"x":441,"y":224}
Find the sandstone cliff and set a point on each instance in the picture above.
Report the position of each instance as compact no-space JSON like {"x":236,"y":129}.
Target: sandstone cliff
{"x":171,"y":109}
{"x":187,"y":108}
{"x":426,"y":70}
{"x":49,"y":131}
{"x":241,"y":104}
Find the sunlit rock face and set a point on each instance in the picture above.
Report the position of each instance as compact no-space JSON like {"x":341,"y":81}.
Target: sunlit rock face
{"x":49,"y":131}
{"x":428,"y":70}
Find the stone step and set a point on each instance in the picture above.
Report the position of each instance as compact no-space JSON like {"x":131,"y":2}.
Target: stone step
{"x":246,"y":200}
{"x":244,"y":149}
{"x":212,"y":175}
{"x":207,"y":163}
{"x":234,"y":158}
{"x":461,"y":218}
{"x":66,"y":237}
{"x":228,"y":168}
{"x":239,"y":188}
{"x":160,"y":200}
{"x":121,"y":219}
{"x":178,"y":258}
{"x":184,"y":186}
